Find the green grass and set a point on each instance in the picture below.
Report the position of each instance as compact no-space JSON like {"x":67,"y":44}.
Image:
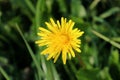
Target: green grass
{"x":20,"y":57}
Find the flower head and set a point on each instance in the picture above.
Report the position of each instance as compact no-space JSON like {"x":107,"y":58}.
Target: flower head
{"x":60,"y":38}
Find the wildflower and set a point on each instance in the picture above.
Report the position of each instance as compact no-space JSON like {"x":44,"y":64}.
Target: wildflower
{"x":60,"y":38}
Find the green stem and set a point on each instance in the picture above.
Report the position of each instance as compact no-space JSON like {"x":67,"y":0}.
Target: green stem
{"x":4,"y":73}
{"x":39,"y":12}
{"x":106,"y":39}
{"x":94,"y":4}
{"x":38,"y":16}
{"x":30,"y":5}
{"x":40,"y":72}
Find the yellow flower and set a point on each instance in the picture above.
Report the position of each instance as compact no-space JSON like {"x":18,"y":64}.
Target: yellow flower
{"x":60,"y":39}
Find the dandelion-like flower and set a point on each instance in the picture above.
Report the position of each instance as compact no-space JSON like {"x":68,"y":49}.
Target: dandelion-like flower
{"x":60,"y":38}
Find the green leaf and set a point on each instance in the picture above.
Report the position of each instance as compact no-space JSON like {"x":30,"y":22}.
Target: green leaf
{"x":106,"y":39}
{"x":63,"y":7}
{"x":104,"y":74}
{"x":3,"y":61}
{"x":39,"y":70}
{"x":114,"y":57}
{"x":87,"y":74}
{"x":3,"y":72}
{"x":117,"y":39}
{"x":94,"y":4}
{"x":30,"y":5}
{"x":110,"y":12}
{"x":77,"y":8}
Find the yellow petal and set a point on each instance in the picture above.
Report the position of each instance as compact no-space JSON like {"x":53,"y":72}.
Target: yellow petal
{"x":52,"y":28}
{"x":64,"y":55}
{"x":72,"y":52}
{"x":77,"y":49}
{"x":50,"y":56}
{"x":58,"y":23}
{"x":52,"y":22}
{"x":44,"y":30}
{"x":62,"y":22}
{"x":45,"y":51}
{"x":56,"y":57}
{"x":71,"y":25}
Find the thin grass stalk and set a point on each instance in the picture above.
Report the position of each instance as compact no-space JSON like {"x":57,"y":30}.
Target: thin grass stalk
{"x":40,"y":73}
{"x":4,"y":73}
{"x":106,"y":39}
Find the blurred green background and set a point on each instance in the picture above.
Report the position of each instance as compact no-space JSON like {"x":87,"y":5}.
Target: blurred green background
{"x":20,"y":57}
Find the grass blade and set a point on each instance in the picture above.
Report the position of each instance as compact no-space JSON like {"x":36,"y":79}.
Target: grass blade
{"x":109,"y":12}
{"x":4,"y":73}
{"x":94,"y":4}
{"x":106,"y":39}
{"x":38,"y":15}
{"x":40,"y":73}
{"x":30,"y":5}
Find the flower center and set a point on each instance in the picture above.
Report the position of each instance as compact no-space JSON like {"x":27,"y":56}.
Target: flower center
{"x":64,"y":38}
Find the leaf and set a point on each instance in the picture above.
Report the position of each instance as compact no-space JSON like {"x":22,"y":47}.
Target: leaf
{"x":117,"y":39}
{"x":94,"y":4}
{"x":39,"y":70}
{"x":104,"y":74}
{"x":77,"y":9}
{"x":109,"y":12}
{"x":87,"y":74}
{"x":63,"y":7}
{"x":3,"y":61}
{"x":114,"y":57}
{"x":3,"y":72}
{"x":93,"y":74}
{"x":106,"y":39}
